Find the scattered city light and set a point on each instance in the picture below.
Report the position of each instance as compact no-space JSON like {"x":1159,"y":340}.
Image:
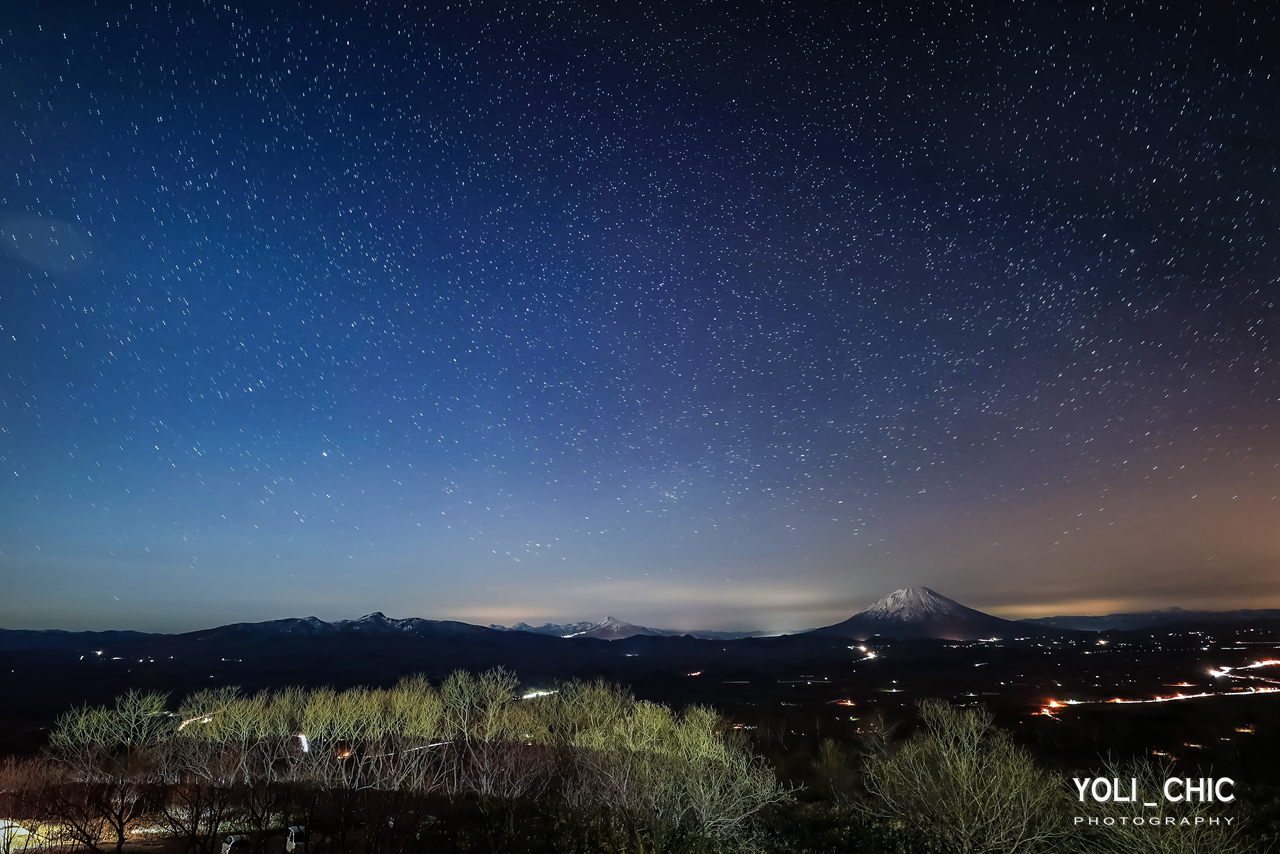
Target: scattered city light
{"x":538,"y":692}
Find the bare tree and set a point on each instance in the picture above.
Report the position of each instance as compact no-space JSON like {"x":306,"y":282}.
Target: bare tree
{"x":22,"y":782}
{"x":965,"y":786}
{"x":198,"y":782}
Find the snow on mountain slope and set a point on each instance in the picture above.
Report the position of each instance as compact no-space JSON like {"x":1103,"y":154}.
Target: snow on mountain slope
{"x":914,"y":603}
{"x":611,"y":628}
{"x":376,"y":623}
{"x":918,"y":612}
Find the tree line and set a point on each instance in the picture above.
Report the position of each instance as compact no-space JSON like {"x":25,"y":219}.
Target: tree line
{"x":372,"y":768}
{"x":467,"y":765}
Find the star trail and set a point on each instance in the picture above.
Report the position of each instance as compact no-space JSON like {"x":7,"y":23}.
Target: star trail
{"x":714,"y":315}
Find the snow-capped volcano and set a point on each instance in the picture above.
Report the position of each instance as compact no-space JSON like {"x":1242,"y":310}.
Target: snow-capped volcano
{"x":918,"y":612}
{"x":913,"y":603}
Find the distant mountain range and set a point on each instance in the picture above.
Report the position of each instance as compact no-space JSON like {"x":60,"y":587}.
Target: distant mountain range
{"x":57,"y":670}
{"x":913,"y":612}
{"x":376,"y":624}
{"x":611,"y":628}
{"x":59,"y":639}
{"x":1151,"y":619}
{"x":918,"y":612}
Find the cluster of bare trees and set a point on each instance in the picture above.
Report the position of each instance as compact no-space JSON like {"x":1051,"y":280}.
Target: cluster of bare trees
{"x":963,"y":786}
{"x":634,"y":774}
{"x":467,"y":766}
{"x":966,"y":785}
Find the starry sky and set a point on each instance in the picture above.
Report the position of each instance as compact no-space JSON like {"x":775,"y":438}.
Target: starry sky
{"x":715,"y":315}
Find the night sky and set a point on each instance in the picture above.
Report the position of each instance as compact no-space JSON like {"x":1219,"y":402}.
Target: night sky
{"x":715,"y":315}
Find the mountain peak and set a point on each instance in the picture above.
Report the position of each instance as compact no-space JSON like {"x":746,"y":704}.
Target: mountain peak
{"x":611,"y":628}
{"x":913,"y":604}
{"x":918,"y":612}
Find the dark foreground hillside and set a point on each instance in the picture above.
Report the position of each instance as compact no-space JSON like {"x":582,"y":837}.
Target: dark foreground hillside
{"x":830,"y":730}
{"x":466,"y":765}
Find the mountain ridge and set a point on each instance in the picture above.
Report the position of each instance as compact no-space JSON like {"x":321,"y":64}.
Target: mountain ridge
{"x":910,"y":612}
{"x":611,"y":628}
{"x":374,"y":624}
{"x":1130,"y":621}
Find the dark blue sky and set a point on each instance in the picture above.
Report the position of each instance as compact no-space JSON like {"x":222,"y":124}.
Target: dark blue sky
{"x":722,"y":315}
